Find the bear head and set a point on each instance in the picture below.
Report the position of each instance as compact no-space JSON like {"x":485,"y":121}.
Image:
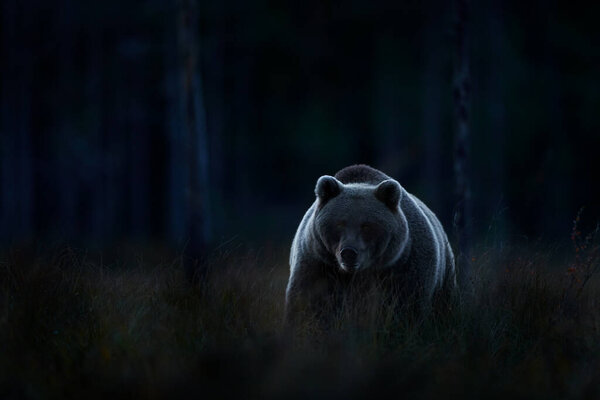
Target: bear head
{"x":360,"y":225}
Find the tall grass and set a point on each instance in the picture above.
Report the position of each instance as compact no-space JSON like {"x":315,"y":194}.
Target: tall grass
{"x":74,"y":324}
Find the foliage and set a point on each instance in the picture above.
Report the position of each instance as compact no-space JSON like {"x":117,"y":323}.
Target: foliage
{"x":92,"y":126}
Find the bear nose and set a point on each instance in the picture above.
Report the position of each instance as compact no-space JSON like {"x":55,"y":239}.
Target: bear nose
{"x":349,"y":256}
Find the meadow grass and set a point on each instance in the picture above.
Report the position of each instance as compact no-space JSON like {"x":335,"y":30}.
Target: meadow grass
{"x":76,"y":324}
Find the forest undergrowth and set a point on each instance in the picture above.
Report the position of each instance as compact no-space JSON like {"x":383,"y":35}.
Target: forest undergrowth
{"x":74,"y":323}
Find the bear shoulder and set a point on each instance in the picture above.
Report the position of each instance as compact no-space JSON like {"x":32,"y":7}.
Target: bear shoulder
{"x":361,"y":173}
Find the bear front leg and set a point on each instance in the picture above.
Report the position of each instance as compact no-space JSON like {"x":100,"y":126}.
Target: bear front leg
{"x":306,"y":296}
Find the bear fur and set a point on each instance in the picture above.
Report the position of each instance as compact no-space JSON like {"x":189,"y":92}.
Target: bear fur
{"x":365,"y":226}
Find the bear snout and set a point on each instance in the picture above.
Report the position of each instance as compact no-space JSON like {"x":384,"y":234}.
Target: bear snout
{"x":349,"y":258}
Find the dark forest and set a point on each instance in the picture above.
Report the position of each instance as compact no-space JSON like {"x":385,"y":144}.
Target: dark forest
{"x":156,"y":158}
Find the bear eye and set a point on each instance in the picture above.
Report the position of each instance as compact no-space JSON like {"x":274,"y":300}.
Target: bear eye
{"x":340,"y":224}
{"x":367,"y":229}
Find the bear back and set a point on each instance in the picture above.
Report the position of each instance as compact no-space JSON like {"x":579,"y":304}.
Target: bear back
{"x":361,"y":173}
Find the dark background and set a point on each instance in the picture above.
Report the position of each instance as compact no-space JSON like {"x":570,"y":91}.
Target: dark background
{"x":159,"y":122}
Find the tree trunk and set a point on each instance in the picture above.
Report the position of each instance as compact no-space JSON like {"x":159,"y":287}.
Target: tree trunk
{"x":556,"y":210}
{"x":95,"y":184}
{"x":462,"y":216}
{"x":189,"y":185}
{"x":240,"y":163}
{"x":216,"y":123}
{"x":8,"y":195}
{"x":177,"y":158}
{"x":139,"y":148}
{"x":388,"y":114}
{"x":496,"y":149}
{"x":67,"y":184}
{"x":16,"y":148}
{"x":432,"y":114}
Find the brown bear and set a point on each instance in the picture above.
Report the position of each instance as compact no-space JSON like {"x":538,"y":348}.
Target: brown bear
{"x":364,"y":224}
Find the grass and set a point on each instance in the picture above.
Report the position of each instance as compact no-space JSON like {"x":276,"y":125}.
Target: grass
{"x":75,"y":324}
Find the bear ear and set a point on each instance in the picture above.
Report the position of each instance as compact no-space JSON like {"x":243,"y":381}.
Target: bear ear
{"x":327,"y":188}
{"x":389,"y":193}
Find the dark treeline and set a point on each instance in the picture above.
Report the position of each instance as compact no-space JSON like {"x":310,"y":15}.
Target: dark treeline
{"x":210,"y":119}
